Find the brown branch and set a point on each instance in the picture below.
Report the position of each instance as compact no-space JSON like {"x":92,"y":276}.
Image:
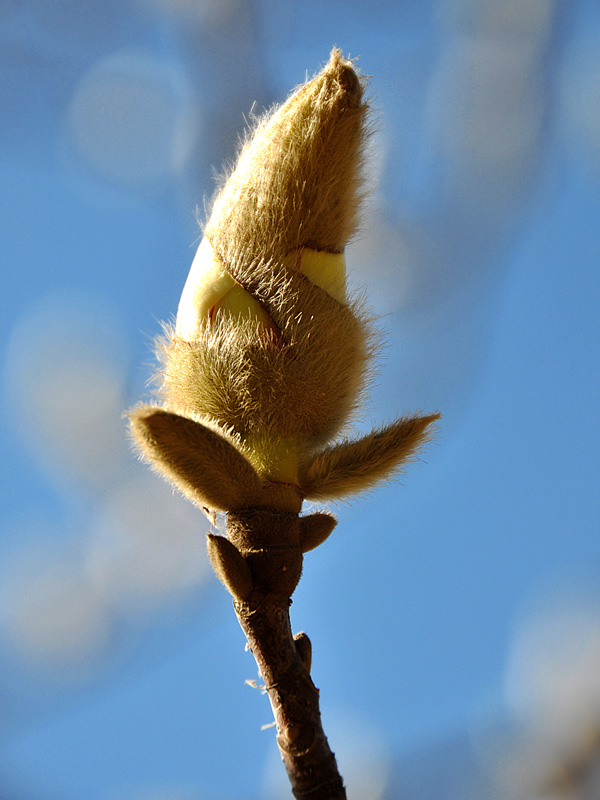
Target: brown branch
{"x":283,"y":663}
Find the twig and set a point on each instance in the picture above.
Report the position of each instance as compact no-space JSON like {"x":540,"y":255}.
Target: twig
{"x":283,"y":662}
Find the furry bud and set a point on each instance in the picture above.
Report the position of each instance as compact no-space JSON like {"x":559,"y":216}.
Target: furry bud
{"x":268,"y":355}
{"x":265,"y":341}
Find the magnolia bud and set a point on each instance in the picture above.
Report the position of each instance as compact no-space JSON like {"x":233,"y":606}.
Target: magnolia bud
{"x":268,"y":355}
{"x":265,"y":342}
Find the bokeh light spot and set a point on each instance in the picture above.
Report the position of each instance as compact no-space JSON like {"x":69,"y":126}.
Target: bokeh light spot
{"x":132,"y":118}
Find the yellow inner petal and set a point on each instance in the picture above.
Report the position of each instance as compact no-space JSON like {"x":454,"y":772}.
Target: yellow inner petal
{"x":326,"y":270}
{"x":239,"y":303}
{"x":211,"y":290}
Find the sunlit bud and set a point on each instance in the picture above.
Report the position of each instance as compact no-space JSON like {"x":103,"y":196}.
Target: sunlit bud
{"x":269,"y":354}
{"x":297,"y":181}
{"x":266,"y":342}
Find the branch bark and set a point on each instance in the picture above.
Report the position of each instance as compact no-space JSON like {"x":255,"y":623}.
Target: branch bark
{"x":283,"y":662}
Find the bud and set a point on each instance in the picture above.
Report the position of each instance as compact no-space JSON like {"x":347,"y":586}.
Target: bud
{"x":265,"y":342}
{"x":268,"y":356}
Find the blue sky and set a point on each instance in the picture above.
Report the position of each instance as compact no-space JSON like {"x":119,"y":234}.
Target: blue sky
{"x":123,"y":665}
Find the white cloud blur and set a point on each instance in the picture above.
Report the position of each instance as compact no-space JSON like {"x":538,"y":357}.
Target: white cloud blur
{"x":553,"y":677}
{"x":65,"y":376}
{"x":138,"y":548}
{"x":528,"y":21}
{"x":580,"y":100}
{"x":52,"y":616}
{"x":487,"y":98}
{"x":133,"y":118}
{"x":216,"y":13}
{"x":147,"y":549}
{"x":552,"y":691}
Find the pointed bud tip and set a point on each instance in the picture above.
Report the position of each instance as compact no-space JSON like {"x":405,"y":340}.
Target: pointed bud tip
{"x":342,"y":69}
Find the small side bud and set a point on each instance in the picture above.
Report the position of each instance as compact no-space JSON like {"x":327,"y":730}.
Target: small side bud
{"x":304,"y":648}
{"x":314,"y":529}
{"x":230,"y":567}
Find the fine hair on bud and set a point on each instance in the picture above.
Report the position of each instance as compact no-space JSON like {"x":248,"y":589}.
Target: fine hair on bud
{"x":298,"y":178}
{"x":199,"y":459}
{"x":293,"y":371}
{"x":355,"y":466}
{"x":269,"y":358}
{"x":306,"y":389}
